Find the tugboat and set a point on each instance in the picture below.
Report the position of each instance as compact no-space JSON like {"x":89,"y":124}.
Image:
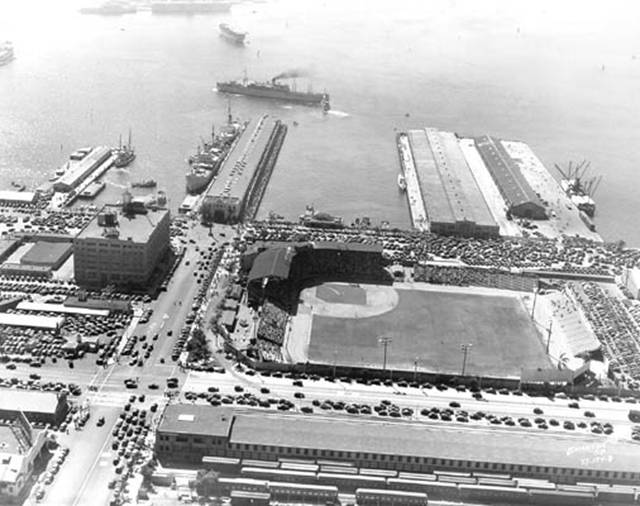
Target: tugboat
{"x":146,"y":183}
{"x":124,"y":154}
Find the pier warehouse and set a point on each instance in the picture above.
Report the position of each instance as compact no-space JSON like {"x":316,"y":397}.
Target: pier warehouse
{"x":453,"y":201}
{"x":187,"y":433}
{"x":78,"y":171}
{"x":240,"y":184}
{"x":521,"y":200}
{"x":121,"y":247}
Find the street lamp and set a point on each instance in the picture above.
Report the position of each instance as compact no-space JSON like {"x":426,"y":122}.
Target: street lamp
{"x":465,"y":349}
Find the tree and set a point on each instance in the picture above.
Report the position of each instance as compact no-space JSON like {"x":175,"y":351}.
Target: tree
{"x":206,"y":483}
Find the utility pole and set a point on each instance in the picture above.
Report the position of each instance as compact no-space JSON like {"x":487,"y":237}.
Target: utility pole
{"x":549,"y":335}
{"x":415,"y":369}
{"x":335,"y":359}
{"x":384,"y":341}
{"x":465,"y":349}
{"x":535,"y":298}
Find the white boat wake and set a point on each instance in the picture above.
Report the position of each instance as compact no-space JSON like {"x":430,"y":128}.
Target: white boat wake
{"x":339,"y":114}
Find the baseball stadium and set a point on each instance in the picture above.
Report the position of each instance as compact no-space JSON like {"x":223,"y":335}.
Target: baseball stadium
{"x":337,"y":304}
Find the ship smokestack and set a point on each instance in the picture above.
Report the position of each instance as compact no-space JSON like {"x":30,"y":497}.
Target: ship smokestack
{"x":290,"y":74}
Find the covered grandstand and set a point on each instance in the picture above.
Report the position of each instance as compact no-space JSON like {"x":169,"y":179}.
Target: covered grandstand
{"x":453,"y":200}
{"x":520,"y":198}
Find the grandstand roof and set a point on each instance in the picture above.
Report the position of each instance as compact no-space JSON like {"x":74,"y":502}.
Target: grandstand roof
{"x":272,"y":262}
{"x":514,"y":187}
{"x":347,"y":246}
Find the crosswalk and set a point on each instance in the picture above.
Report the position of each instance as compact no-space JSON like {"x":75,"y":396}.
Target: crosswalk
{"x":118,"y":399}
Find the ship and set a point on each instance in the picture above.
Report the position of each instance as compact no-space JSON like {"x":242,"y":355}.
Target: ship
{"x":205,"y":164}
{"x":124,"y":154}
{"x":189,"y":6}
{"x":6,"y":53}
{"x":578,"y":188}
{"x":231,"y":34}
{"x":311,"y":218}
{"x":402,"y":182}
{"x":111,"y":8}
{"x":274,"y":90}
{"x":146,"y":183}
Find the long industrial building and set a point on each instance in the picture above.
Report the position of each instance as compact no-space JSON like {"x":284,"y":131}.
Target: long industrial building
{"x":520,"y":198}
{"x":229,"y":195}
{"x":78,"y":171}
{"x":453,"y":201}
{"x":187,"y":433}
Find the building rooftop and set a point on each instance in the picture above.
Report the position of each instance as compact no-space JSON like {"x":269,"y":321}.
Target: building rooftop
{"x":15,"y":196}
{"x":77,"y":170}
{"x":506,"y":172}
{"x":237,"y":170}
{"x":22,"y":320}
{"x":134,"y":227}
{"x":60,"y":308}
{"x":418,"y":439}
{"x":272,"y":262}
{"x":28,"y":401}
{"x":46,"y":253}
{"x":9,"y":443}
{"x":451,"y":193}
{"x":192,"y":419}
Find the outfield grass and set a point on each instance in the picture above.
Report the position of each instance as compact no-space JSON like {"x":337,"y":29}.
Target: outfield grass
{"x":431,"y":326}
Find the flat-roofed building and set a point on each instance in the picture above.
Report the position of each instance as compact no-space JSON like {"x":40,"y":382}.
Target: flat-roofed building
{"x":188,"y":433}
{"x":48,"y":254}
{"x":44,"y":407}
{"x":16,"y":197}
{"x":520,"y":198}
{"x":34,"y":321}
{"x":453,"y":200}
{"x":21,"y":447}
{"x":121,"y":248}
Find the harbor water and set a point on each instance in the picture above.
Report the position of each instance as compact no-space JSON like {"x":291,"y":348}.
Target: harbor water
{"x":562,"y":78}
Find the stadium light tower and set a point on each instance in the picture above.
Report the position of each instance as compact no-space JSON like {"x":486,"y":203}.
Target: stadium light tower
{"x":384,"y":341}
{"x":465,"y":349}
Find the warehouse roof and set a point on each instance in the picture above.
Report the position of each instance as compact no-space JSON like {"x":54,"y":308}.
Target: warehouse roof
{"x":46,"y":253}
{"x":24,"y":320}
{"x":15,"y":196}
{"x":512,"y":184}
{"x":421,"y":440}
{"x":28,"y":401}
{"x":193,"y":419}
{"x":60,"y":308}
{"x":78,"y":170}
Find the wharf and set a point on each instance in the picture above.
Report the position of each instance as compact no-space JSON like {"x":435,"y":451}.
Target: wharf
{"x":92,"y":190}
{"x":417,"y":208}
{"x":564,"y":216}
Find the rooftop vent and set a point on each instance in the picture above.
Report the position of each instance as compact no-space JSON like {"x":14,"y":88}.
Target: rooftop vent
{"x":186,"y":418}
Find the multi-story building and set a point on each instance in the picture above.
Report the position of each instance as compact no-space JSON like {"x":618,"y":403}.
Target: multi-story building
{"x":122,"y":246}
{"x":20,"y":448}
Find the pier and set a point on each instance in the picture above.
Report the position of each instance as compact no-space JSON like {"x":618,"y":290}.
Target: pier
{"x":414,"y":195}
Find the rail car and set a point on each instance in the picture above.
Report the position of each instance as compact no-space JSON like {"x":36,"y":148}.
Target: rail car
{"x":302,"y":492}
{"x":376,"y":497}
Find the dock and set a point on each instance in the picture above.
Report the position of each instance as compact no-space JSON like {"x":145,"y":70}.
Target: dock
{"x":92,"y":190}
{"x":417,"y":208}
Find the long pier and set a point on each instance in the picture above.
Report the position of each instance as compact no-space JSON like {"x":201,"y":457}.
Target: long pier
{"x":417,"y":208}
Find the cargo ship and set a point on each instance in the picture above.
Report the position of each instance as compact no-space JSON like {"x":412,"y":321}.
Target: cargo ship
{"x":232,"y":34}
{"x":146,"y":183}
{"x":274,"y":90}
{"x":111,"y":8}
{"x":205,"y":164}
{"x":124,"y":154}
{"x":6,"y":53}
{"x":578,"y":187}
{"x":189,"y":6}
{"x":311,"y":218}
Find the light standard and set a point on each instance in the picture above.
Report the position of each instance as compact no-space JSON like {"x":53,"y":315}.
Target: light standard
{"x":415,"y":369}
{"x":465,"y":349}
{"x":384,"y":341}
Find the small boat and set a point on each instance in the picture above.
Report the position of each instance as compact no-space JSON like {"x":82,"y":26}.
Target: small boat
{"x":232,"y":34}
{"x":18,"y":186}
{"x":402,"y":182}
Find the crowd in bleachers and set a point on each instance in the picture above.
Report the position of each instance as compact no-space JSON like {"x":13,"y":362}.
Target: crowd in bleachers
{"x":273,"y":324}
{"x":616,"y":327}
{"x":408,"y":247}
{"x":470,"y":276}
